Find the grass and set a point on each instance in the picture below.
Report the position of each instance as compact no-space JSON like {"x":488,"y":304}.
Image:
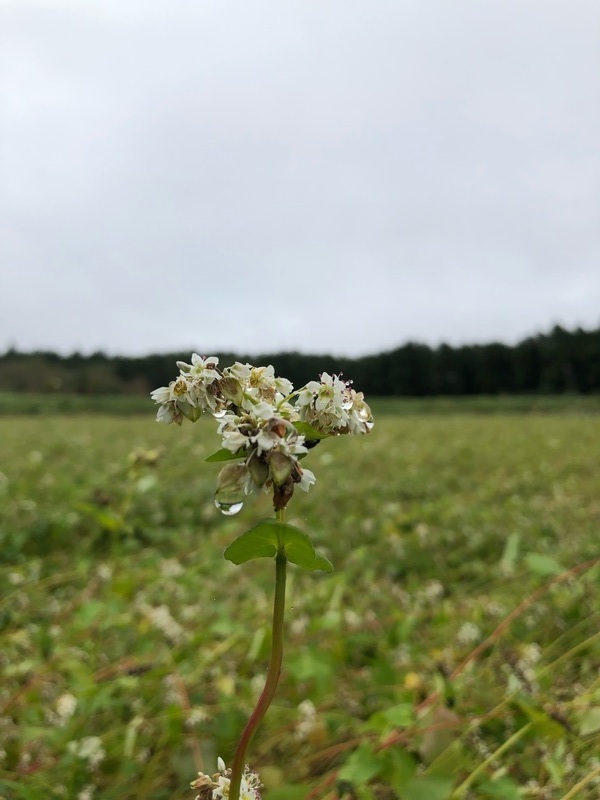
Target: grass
{"x":13,"y":403}
{"x":453,"y":653}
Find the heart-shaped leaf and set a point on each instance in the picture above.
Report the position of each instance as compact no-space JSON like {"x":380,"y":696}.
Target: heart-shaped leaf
{"x":310,"y":434}
{"x":265,"y":538}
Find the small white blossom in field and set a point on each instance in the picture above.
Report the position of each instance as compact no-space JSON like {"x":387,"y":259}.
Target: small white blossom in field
{"x":352,"y":620}
{"x":171,"y":568}
{"x":531,"y":653}
{"x":66,"y":705}
{"x":161,"y":618}
{"x":402,"y":655}
{"x":307,"y":721}
{"x":104,"y":572}
{"x":495,"y":609}
{"x":468,"y":633}
{"x":172,"y":692}
{"x":216,"y":787}
{"x":422,"y":531}
{"x":35,"y":457}
{"x":432,"y":591}
{"x":299,"y":625}
{"x":196,"y":716}
{"x":190,"y":612}
{"x":89,"y":749}
{"x":87,"y":793}
{"x":257,"y":684}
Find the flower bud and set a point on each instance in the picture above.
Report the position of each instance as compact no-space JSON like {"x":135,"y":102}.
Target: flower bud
{"x":231,"y":389}
{"x":230,"y":484}
{"x":193,"y":413}
{"x":258,"y":469}
{"x":280,"y":467}
{"x":282,"y":494}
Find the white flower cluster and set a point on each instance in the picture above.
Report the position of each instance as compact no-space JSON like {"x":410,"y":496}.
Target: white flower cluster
{"x":265,"y":425}
{"x":332,"y":406}
{"x":216,"y":787}
{"x":191,"y":393}
{"x":66,"y":705}
{"x":89,"y":749}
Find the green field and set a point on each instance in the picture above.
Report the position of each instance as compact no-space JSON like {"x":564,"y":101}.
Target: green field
{"x":119,"y":618}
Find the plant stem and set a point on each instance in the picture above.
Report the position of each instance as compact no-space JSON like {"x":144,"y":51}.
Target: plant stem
{"x":264,"y":701}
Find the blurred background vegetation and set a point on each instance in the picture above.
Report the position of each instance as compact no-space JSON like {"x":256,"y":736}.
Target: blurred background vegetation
{"x":558,"y":362}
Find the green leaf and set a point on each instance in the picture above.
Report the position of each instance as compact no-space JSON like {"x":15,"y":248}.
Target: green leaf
{"x":362,"y":766}
{"x":501,"y":789}
{"x":266,"y":537}
{"x":590,"y":721}
{"x":310,"y":434}
{"x":315,"y":667}
{"x":224,"y":455}
{"x":543,"y":724}
{"x":543,"y":565}
{"x":427,"y":788}
{"x":510,"y":554}
{"x":400,"y":767}
{"x":399,"y":716}
{"x":258,"y":542}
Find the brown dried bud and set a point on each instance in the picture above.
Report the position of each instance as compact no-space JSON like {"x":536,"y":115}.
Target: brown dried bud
{"x":205,"y":785}
{"x":282,"y":494}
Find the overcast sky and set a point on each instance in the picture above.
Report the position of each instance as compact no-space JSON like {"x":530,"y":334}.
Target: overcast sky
{"x":321,"y":175}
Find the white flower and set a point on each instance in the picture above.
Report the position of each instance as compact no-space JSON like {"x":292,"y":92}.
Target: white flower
{"x":89,"y":749}
{"x":161,"y":618}
{"x":307,"y":722}
{"x":278,"y":432}
{"x":468,"y":633}
{"x":162,"y":395}
{"x":220,"y":782}
{"x":239,"y":371}
{"x":360,"y":418}
{"x":333,"y":407}
{"x":171,"y":568}
{"x":204,"y":367}
{"x":169,"y":412}
{"x":65,"y":706}
{"x":196,"y":716}
{"x":191,"y":393}
{"x":324,"y":405}
{"x":307,"y":480}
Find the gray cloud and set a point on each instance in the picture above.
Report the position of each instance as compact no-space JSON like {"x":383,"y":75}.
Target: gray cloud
{"x":324,"y":176}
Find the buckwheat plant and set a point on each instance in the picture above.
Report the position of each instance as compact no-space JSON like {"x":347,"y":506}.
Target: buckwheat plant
{"x":266,"y":429}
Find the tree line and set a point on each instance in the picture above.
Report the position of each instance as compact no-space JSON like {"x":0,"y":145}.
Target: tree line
{"x":553,"y":363}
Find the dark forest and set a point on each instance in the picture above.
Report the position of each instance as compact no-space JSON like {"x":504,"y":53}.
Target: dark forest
{"x":558,"y":362}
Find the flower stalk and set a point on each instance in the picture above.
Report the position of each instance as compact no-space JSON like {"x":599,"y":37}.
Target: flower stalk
{"x":267,"y":694}
{"x":264,"y":436}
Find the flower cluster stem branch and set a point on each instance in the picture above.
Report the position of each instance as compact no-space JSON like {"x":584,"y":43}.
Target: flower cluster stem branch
{"x":264,"y":701}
